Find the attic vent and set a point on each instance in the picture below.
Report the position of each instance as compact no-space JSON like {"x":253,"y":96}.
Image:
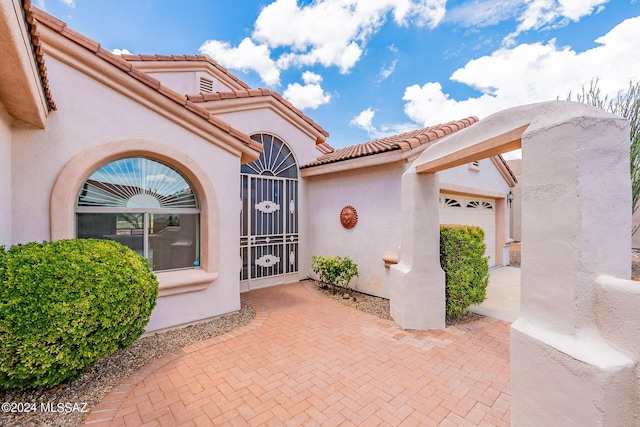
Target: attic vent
{"x":474,"y":166}
{"x":206,"y":85}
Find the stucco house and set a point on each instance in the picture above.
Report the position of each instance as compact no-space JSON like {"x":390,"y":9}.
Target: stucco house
{"x":224,"y":188}
{"x":368,"y":176}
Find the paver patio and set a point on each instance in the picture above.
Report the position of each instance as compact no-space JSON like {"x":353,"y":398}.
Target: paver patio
{"x":308,"y":360}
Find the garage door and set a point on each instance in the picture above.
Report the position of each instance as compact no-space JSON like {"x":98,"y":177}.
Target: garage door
{"x":470,"y":210}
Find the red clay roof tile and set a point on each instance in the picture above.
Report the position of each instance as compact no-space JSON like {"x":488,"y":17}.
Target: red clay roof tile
{"x":123,"y":64}
{"x":37,"y":49}
{"x":114,"y":59}
{"x":404,"y":142}
{"x":81,"y":39}
{"x":173,"y":95}
{"x":145,"y":78}
{"x":250,"y":93}
{"x":201,"y":58}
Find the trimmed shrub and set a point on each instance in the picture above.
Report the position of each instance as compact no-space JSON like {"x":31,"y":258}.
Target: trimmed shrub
{"x":465,"y":266}
{"x":334,"y":271}
{"x":66,"y":304}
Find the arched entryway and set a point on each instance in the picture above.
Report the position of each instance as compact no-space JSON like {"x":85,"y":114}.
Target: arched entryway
{"x":269,"y":215}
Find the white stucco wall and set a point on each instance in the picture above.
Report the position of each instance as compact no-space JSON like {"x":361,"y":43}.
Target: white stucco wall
{"x":487,"y":178}
{"x":5,"y":177}
{"x":90,"y":114}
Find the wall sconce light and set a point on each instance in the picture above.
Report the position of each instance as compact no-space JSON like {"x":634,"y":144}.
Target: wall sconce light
{"x":510,"y":198}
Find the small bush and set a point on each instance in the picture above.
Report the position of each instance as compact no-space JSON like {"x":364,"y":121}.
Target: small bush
{"x":334,"y":271}
{"x":466,"y":268}
{"x":66,"y":304}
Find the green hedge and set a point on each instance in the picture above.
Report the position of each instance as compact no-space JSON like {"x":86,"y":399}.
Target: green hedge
{"x":466,"y":267}
{"x":66,"y":304}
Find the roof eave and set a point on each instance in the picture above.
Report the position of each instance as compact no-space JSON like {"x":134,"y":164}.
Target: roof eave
{"x":505,"y":170}
{"x":370,"y":160}
{"x":174,"y":63}
{"x":86,"y":56}
{"x":21,"y":88}
{"x":270,"y":101}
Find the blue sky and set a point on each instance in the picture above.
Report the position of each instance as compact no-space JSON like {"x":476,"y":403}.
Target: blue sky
{"x":364,"y":69}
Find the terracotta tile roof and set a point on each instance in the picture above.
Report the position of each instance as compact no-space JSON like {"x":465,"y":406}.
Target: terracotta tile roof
{"x":37,"y":52}
{"x":325,"y":148}
{"x":508,"y":168}
{"x":404,"y":141}
{"x":200,"y":58}
{"x":92,"y":46}
{"x":249,"y":93}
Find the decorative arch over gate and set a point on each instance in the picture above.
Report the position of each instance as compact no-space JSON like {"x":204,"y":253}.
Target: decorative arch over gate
{"x":269,"y":216}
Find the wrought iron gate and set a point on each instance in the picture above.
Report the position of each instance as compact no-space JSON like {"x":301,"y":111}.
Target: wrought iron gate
{"x":269,"y":216}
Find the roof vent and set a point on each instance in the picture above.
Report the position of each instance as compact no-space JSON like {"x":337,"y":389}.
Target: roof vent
{"x":206,"y":85}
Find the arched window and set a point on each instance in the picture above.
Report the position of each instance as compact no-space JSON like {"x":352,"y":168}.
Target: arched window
{"x":145,"y":205}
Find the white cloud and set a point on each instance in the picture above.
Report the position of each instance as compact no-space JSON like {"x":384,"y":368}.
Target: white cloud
{"x":70,"y":3}
{"x":483,"y":13}
{"x":326,"y":32}
{"x":121,"y":52}
{"x":531,"y":73}
{"x":541,"y":13}
{"x":364,"y":121}
{"x":387,"y":71}
{"x":247,"y":56}
{"x":310,"y":95}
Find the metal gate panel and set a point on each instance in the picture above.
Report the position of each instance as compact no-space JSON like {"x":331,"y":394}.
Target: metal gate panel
{"x":269,"y":214}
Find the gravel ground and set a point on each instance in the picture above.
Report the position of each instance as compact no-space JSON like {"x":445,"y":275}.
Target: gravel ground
{"x":380,"y":307}
{"x":107,"y":373}
{"x":514,"y":254}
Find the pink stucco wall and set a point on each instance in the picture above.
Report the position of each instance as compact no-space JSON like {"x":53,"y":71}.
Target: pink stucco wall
{"x":375,"y":192}
{"x":5,"y":177}
{"x":89,"y":115}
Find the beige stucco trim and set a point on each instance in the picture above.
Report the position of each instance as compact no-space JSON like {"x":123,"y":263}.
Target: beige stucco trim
{"x":502,"y":168}
{"x":81,"y":59}
{"x":182,"y":281}
{"x":493,"y":146}
{"x":463,"y":190}
{"x":21,"y":90}
{"x":72,"y":176}
{"x":235,"y":105}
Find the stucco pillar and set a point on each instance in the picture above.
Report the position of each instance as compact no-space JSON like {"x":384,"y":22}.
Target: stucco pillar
{"x":417,"y":281}
{"x":576,"y":222}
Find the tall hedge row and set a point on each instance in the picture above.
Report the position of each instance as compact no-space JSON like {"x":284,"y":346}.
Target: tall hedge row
{"x":465,"y":266}
{"x":66,"y":304}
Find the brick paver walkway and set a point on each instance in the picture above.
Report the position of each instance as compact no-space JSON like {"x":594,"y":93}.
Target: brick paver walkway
{"x":308,"y":360}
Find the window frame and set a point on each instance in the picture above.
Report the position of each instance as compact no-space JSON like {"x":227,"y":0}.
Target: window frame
{"x":76,"y":171}
{"x":146,"y":212}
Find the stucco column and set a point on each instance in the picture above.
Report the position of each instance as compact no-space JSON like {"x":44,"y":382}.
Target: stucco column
{"x":576,"y":222}
{"x":417,"y":281}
